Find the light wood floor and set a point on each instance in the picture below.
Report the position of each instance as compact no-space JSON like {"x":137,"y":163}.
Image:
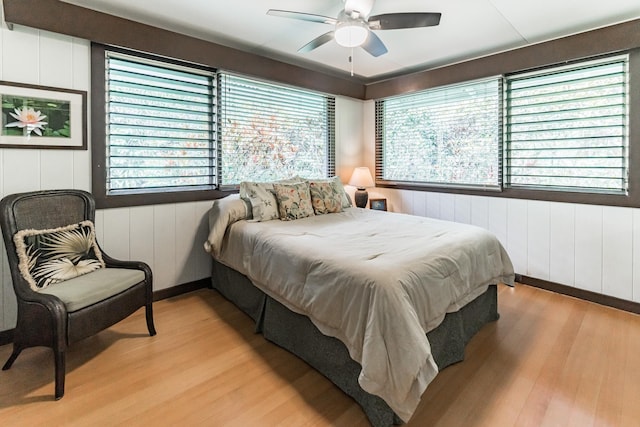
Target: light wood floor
{"x":550,"y":360}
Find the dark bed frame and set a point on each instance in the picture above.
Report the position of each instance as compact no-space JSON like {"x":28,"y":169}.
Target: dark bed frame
{"x":329,"y":356}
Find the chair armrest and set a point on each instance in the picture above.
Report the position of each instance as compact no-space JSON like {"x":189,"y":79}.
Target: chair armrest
{"x":51,"y":302}
{"x":118,"y":263}
{"x":41,"y":308}
{"x":133,"y":265}
{"x":24,"y":293}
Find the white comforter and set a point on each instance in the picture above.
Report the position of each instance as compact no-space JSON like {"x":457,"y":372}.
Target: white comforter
{"x":377,"y":281}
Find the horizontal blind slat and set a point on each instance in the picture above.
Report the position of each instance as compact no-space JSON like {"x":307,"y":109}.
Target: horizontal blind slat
{"x":159,"y":125}
{"x":445,"y":136}
{"x":270,"y":131}
{"x":566,"y":126}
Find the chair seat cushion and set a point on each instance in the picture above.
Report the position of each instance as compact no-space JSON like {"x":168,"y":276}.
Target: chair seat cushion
{"x":94,"y":287}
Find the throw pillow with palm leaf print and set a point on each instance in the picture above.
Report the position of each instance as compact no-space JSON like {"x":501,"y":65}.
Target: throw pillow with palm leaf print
{"x":51,"y":256}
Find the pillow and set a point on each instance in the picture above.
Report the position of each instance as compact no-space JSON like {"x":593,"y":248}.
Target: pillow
{"x":51,"y":256}
{"x":264,"y":206}
{"x":294,"y":200}
{"x":222,"y":214}
{"x":339,"y":188}
{"x":325,"y":198}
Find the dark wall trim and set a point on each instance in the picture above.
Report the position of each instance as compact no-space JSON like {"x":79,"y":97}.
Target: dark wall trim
{"x":76,"y":21}
{"x":630,"y":200}
{"x":609,"y":301}
{"x":99,"y":153}
{"x":6,"y":337}
{"x":610,"y":39}
{"x":185,"y":288}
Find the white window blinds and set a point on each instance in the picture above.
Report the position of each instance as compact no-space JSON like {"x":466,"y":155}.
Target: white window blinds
{"x":160,"y":125}
{"x":567,"y":127}
{"x":448,"y":136}
{"x":272,"y":132}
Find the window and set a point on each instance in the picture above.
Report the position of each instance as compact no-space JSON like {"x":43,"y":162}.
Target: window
{"x":561,"y":133}
{"x":161,"y":126}
{"x":271,"y":132}
{"x":170,"y":132}
{"x":567,"y":128}
{"x":446,"y":136}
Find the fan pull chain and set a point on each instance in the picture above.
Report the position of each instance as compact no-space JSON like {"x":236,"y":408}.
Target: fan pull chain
{"x":351,"y":61}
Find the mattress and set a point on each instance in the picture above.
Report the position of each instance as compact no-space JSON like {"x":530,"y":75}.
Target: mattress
{"x":377,"y":281}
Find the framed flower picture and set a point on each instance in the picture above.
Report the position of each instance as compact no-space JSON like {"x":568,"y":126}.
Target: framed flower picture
{"x":42,"y":117}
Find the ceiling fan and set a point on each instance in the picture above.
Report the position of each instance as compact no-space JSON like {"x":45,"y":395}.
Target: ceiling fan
{"x":353,"y":26}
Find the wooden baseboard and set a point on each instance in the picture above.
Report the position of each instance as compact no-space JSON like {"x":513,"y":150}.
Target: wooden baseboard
{"x":609,"y":301}
{"x":6,"y":337}
{"x":174,"y":291}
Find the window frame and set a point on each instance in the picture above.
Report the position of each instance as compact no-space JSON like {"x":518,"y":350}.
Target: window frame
{"x":99,"y":143}
{"x":632,"y":199}
{"x":229,"y":80}
{"x":99,"y":146}
{"x":429,"y":185}
{"x":552,"y":71}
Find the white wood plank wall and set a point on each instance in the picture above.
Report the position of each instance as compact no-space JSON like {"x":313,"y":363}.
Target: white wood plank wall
{"x":596,"y":248}
{"x":589,"y":247}
{"x":168,"y":237}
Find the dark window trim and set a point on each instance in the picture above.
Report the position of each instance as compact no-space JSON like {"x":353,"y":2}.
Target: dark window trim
{"x":153,"y":197}
{"x":379,"y":145}
{"x":99,"y":144}
{"x":630,"y":200}
{"x":77,"y":21}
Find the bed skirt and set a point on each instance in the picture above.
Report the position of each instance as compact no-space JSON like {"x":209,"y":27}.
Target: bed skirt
{"x":297,"y":334}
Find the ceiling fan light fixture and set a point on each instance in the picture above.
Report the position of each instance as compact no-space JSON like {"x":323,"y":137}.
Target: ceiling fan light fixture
{"x":351,"y":33}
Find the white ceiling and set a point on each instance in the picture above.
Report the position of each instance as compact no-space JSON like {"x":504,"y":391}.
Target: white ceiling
{"x":468,"y":28}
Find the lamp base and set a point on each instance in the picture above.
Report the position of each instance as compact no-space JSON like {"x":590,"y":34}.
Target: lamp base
{"x":361,"y":198}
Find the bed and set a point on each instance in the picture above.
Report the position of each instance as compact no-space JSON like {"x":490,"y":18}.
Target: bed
{"x":377,"y":302}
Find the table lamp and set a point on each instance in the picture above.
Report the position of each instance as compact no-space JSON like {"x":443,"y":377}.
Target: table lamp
{"x":361,"y":179}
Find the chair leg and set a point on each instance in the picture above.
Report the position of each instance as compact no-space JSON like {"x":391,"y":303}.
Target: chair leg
{"x":60,"y":361}
{"x":14,"y":355}
{"x":150,"y":325}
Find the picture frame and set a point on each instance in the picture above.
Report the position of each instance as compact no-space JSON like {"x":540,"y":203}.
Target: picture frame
{"x":42,"y":117}
{"x":378,"y":204}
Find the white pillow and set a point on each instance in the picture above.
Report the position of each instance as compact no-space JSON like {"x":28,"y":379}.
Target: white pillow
{"x":223,"y":213}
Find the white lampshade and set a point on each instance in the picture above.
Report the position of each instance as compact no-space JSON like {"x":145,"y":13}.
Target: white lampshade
{"x":361,"y":178}
{"x":351,"y":34}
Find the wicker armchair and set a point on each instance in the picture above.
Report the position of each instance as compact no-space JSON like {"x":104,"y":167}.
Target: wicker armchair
{"x":67,"y":311}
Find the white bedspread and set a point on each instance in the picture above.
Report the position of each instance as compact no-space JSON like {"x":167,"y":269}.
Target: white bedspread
{"x":377,"y":281}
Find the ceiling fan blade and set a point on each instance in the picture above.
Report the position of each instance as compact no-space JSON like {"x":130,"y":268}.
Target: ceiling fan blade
{"x":374,"y":45}
{"x":302,"y":16}
{"x":396,"y":21}
{"x":317,"y":42}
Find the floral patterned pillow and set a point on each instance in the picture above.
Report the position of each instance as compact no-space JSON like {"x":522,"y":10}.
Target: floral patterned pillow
{"x":294,"y":200}
{"x":51,"y":256}
{"x":263,"y":202}
{"x":325,"y":197}
{"x":264,"y":206}
{"x":338,"y":187}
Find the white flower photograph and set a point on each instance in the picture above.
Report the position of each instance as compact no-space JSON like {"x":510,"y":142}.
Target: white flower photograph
{"x":42,"y":117}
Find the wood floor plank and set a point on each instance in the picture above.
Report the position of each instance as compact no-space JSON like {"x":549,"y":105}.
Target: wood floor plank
{"x":549,"y":360}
